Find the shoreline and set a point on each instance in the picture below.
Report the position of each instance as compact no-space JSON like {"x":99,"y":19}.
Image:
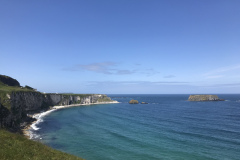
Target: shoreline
{"x":32,"y":126}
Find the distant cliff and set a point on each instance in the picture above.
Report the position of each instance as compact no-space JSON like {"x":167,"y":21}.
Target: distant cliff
{"x":204,"y":98}
{"x":16,"y":102}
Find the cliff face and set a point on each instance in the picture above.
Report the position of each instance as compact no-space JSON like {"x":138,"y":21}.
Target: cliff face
{"x":22,"y":103}
{"x":17,"y":102}
{"x":65,"y":99}
{"x":204,"y":98}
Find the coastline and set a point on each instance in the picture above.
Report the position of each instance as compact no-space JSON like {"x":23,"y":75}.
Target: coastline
{"x":32,"y":126}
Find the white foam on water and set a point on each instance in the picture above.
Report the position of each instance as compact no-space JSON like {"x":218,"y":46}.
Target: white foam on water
{"x":40,"y":116}
{"x":39,"y":119}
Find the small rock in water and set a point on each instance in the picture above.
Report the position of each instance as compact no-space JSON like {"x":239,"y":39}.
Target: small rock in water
{"x":133,"y":101}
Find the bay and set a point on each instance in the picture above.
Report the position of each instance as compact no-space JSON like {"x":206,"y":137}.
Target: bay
{"x":168,"y":127}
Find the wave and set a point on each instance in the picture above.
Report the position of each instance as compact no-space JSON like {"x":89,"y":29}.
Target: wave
{"x":39,"y":117}
{"x":31,"y":133}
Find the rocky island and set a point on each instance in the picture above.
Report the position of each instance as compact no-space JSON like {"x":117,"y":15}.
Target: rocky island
{"x":204,"y":98}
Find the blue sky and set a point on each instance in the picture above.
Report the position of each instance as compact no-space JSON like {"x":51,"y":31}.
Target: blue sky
{"x":122,"y":46}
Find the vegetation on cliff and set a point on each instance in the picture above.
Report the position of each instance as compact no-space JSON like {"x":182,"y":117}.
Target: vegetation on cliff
{"x":15,"y":146}
{"x":104,"y":98}
{"x":8,"y":85}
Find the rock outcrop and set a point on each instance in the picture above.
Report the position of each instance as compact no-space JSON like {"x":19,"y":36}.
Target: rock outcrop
{"x":204,"y":98}
{"x":133,"y":101}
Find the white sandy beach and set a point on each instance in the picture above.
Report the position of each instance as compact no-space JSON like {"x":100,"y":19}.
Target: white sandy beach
{"x":27,"y":130}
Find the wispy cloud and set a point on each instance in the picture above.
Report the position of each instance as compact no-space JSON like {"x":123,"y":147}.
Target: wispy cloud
{"x":137,"y":82}
{"x":227,"y":85}
{"x":221,"y":72}
{"x":110,"y":68}
{"x":149,"y":72}
{"x":214,"y":76}
{"x":169,"y":76}
{"x":123,"y":72}
{"x":103,"y":67}
{"x":170,"y":82}
{"x":136,"y":87}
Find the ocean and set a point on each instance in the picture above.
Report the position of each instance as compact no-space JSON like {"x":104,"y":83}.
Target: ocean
{"x":167,"y":128}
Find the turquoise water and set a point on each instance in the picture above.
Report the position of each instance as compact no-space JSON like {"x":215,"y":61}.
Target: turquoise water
{"x":169,"y":127}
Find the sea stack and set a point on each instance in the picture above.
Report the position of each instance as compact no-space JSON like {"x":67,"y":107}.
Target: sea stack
{"x":204,"y":98}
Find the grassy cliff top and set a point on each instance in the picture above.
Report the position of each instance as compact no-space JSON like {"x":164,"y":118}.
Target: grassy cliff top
{"x":15,"y":146}
{"x":9,"y":84}
{"x":8,"y":89}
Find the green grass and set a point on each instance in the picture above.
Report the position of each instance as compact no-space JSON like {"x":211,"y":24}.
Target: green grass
{"x":4,"y":100}
{"x":16,"y":147}
{"x":8,"y":89}
{"x":104,"y":99}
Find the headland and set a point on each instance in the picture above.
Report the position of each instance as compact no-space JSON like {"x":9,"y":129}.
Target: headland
{"x":22,"y":107}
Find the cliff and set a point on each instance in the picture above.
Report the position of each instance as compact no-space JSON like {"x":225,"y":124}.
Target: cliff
{"x":204,"y":98}
{"x":17,"y":102}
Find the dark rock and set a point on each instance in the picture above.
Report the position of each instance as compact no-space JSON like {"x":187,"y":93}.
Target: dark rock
{"x":9,"y":81}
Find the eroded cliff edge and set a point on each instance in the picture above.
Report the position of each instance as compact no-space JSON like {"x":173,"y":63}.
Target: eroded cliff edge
{"x":17,"y":102}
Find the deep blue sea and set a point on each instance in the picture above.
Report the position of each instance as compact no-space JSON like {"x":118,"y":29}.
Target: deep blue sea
{"x":169,"y":127}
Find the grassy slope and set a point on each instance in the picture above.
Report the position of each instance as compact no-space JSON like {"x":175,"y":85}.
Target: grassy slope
{"x":15,"y":146}
{"x":8,"y":89}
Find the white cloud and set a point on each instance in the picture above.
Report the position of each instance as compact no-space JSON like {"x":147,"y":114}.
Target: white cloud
{"x":169,"y":76}
{"x":214,"y":76}
{"x":221,"y":72}
{"x":110,"y":68}
{"x":137,"y":82}
{"x":97,"y":67}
